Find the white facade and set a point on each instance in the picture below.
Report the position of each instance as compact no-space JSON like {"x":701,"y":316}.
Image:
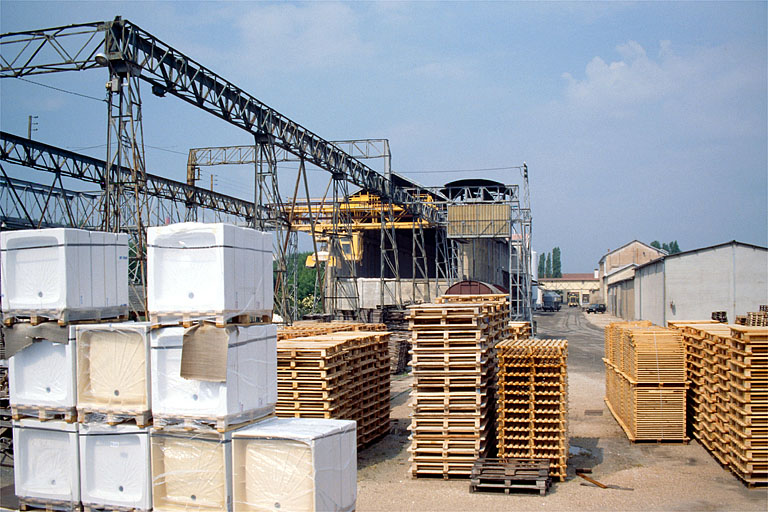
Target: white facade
{"x":730,"y":277}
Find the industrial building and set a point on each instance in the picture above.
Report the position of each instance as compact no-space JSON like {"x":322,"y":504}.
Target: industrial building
{"x":730,"y":277}
{"x":585,"y":286}
{"x":617,"y":269}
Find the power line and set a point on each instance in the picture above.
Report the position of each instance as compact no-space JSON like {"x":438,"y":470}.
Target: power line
{"x":64,"y":90}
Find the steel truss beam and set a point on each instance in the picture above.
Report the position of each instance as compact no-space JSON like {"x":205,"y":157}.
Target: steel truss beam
{"x":28,"y":205}
{"x":169,"y":71}
{"x":43,"y":157}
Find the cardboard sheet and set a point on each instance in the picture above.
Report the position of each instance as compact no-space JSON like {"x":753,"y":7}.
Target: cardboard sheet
{"x":204,"y":352}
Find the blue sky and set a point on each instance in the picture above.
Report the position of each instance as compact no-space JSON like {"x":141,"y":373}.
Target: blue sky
{"x":637,"y":120}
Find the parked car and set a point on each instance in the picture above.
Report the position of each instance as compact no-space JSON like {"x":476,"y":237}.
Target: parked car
{"x":596,"y":308}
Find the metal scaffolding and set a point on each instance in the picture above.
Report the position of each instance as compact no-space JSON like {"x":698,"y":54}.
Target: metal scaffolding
{"x":130,"y":199}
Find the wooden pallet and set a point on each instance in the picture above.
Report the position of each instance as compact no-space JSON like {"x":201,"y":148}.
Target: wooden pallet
{"x":510,"y":474}
{"x":44,"y":413}
{"x":66,"y":317}
{"x":26,"y":503}
{"x":160,"y":319}
{"x":187,"y":423}
{"x":95,"y":507}
{"x":142,"y":419}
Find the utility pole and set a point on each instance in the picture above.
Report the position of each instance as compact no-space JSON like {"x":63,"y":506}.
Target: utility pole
{"x":31,"y":124}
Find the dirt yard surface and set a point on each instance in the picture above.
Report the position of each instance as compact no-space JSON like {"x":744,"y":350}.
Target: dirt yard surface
{"x":649,"y":477}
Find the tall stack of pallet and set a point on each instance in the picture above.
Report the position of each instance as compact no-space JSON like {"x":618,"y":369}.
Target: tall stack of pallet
{"x":453,"y":395}
{"x":645,"y":381}
{"x":341,"y":375}
{"x":533,"y":401}
{"x":728,"y":376}
{"x":747,"y":410}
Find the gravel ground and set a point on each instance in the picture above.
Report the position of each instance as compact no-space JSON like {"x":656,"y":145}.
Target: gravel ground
{"x":651,"y":476}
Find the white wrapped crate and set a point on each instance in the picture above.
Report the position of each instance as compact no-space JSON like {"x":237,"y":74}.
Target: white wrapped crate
{"x":115,"y":466}
{"x":41,"y":376}
{"x":208,"y":375}
{"x":295,"y":464}
{"x":46,"y":462}
{"x":217,"y":271}
{"x":191,"y":471}
{"x":113,"y":372}
{"x":63,"y":273}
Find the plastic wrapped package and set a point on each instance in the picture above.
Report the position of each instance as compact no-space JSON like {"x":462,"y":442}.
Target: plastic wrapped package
{"x":113,"y":370}
{"x":115,"y":466}
{"x":42,"y":374}
{"x":224,"y":374}
{"x":191,"y":472}
{"x":295,"y":464}
{"x":64,"y":273}
{"x":46,"y":461}
{"x":197,"y":270}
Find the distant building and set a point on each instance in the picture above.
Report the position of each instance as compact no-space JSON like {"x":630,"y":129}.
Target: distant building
{"x":586,"y":285}
{"x":690,"y":285}
{"x":616,"y":272}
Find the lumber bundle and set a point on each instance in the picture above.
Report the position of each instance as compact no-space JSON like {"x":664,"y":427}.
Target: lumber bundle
{"x":645,"y":381}
{"x":727,"y":369}
{"x":453,"y":397}
{"x":533,"y":401}
{"x":342,"y":375}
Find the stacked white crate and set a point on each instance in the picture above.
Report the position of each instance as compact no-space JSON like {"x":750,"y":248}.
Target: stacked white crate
{"x":209,"y":271}
{"x":208,"y":379}
{"x":65,"y":275}
{"x":295,"y":464}
{"x":245,"y":390}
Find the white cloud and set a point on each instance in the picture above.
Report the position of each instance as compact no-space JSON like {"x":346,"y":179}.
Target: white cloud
{"x":308,"y":35}
{"x":701,"y":91}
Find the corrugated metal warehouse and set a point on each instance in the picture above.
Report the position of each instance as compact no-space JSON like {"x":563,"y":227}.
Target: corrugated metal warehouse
{"x":730,"y":277}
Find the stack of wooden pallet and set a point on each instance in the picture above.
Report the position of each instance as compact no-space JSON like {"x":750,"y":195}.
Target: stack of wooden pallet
{"x":748,"y":405}
{"x":342,"y":375}
{"x":707,"y":353}
{"x":533,"y":401}
{"x":453,"y":394}
{"x":646,"y":381}
{"x":757,"y":318}
{"x":728,"y":376}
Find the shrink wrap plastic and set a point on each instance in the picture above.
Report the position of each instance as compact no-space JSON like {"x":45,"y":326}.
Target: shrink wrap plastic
{"x":113,"y":368}
{"x":214,"y":373}
{"x":63,"y":273}
{"x":295,"y":464}
{"x":115,"y":466}
{"x":43,"y":373}
{"x":205,"y":270}
{"x":191,"y":472}
{"x":46,"y":462}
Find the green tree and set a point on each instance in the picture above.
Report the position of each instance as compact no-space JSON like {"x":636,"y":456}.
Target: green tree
{"x":556,"y":265}
{"x":673,"y":247}
{"x":548,"y":270}
{"x":656,"y":244}
{"x":542,"y":266}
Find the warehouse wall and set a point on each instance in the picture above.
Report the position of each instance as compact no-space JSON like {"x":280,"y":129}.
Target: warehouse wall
{"x":621,"y":299}
{"x":649,"y":293}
